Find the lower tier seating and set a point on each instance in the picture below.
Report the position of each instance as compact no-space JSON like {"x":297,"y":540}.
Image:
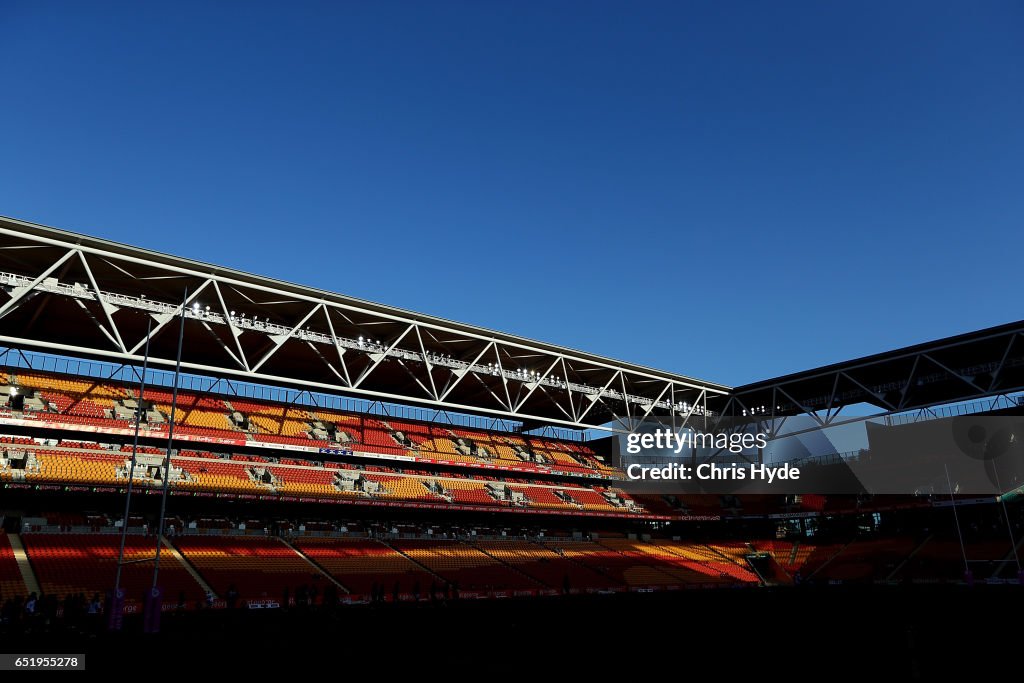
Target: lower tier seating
{"x":257,"y":567}
{"x":361,"y":563}
{"x":11,"y":584}
{"x":87,"y":563}
{"x":545,"y":565}
{"x":461,"y":563}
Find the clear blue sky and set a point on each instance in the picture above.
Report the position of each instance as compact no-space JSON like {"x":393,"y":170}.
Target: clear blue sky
{"x":725,"y":189}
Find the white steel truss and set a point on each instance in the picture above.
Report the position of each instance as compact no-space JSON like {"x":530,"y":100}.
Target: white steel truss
{"x":260,"y":330}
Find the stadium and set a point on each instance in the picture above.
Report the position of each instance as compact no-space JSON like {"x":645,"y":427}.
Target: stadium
{"x":193,"y":452}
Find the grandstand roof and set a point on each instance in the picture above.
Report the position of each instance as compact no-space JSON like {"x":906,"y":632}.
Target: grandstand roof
{"x":69,"y":293}
{"x":962,"y":367}
{"x":72,"y":293}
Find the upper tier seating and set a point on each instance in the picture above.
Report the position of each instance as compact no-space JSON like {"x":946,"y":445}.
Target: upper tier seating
{"x":95,"y":403}
{"x":86,"y":463}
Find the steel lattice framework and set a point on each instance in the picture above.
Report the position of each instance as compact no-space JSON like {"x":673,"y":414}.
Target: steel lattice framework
{"x":67,"y":293}
{"x":986,"y":364}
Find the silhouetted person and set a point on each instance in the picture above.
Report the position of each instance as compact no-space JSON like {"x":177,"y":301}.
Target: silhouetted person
{"x":31,"y":604}
{"x":69,"y":609}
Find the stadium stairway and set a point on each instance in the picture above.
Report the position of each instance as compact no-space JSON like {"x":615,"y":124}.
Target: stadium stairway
{"x":422,"y":566}
{"x":612,"y":581}
{"x":316,"y":565}
{"x":510,"y":566}
{"x":188,"y":566}
{"x":777,"y":575}
{"x":745,"y":564}
{"x":782,"y":569}
{"x":24,"y":566}
{"x":908,"y":558}
{"x":829,"y":560}
{"x":641,"y":560}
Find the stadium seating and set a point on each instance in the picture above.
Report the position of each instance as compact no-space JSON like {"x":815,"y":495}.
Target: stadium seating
{"x":303,"y":481}
{"x":76,"y":467}
{"x":91,"y":403}
{"x":541,"y":496}
{"x":359,"y":563}
{"x":208,"y":420}
{"x":815,"y":556}
{"x":619,"y":568}
{"x":264,"y":567}
{"x":219,"y":475}
{"x":544,"y":564}
{"x":87,"y":463}
{"x":590,"y":500}
{"x":11,"y":583}
{"x":867,"y":560}
{"x":465,"y":565}
{"x":72,"y":563}
{"x":691,"y":562}
{"x":687,"y":563}
{"x":258,"y":567}
{"x":468,"y":492}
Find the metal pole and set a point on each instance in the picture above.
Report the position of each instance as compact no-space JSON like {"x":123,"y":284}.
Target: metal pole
{"x":1006,"y":515}
{"x":170,"y":440}
{"x":956,"y":517}
{"x":135,"y":451}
